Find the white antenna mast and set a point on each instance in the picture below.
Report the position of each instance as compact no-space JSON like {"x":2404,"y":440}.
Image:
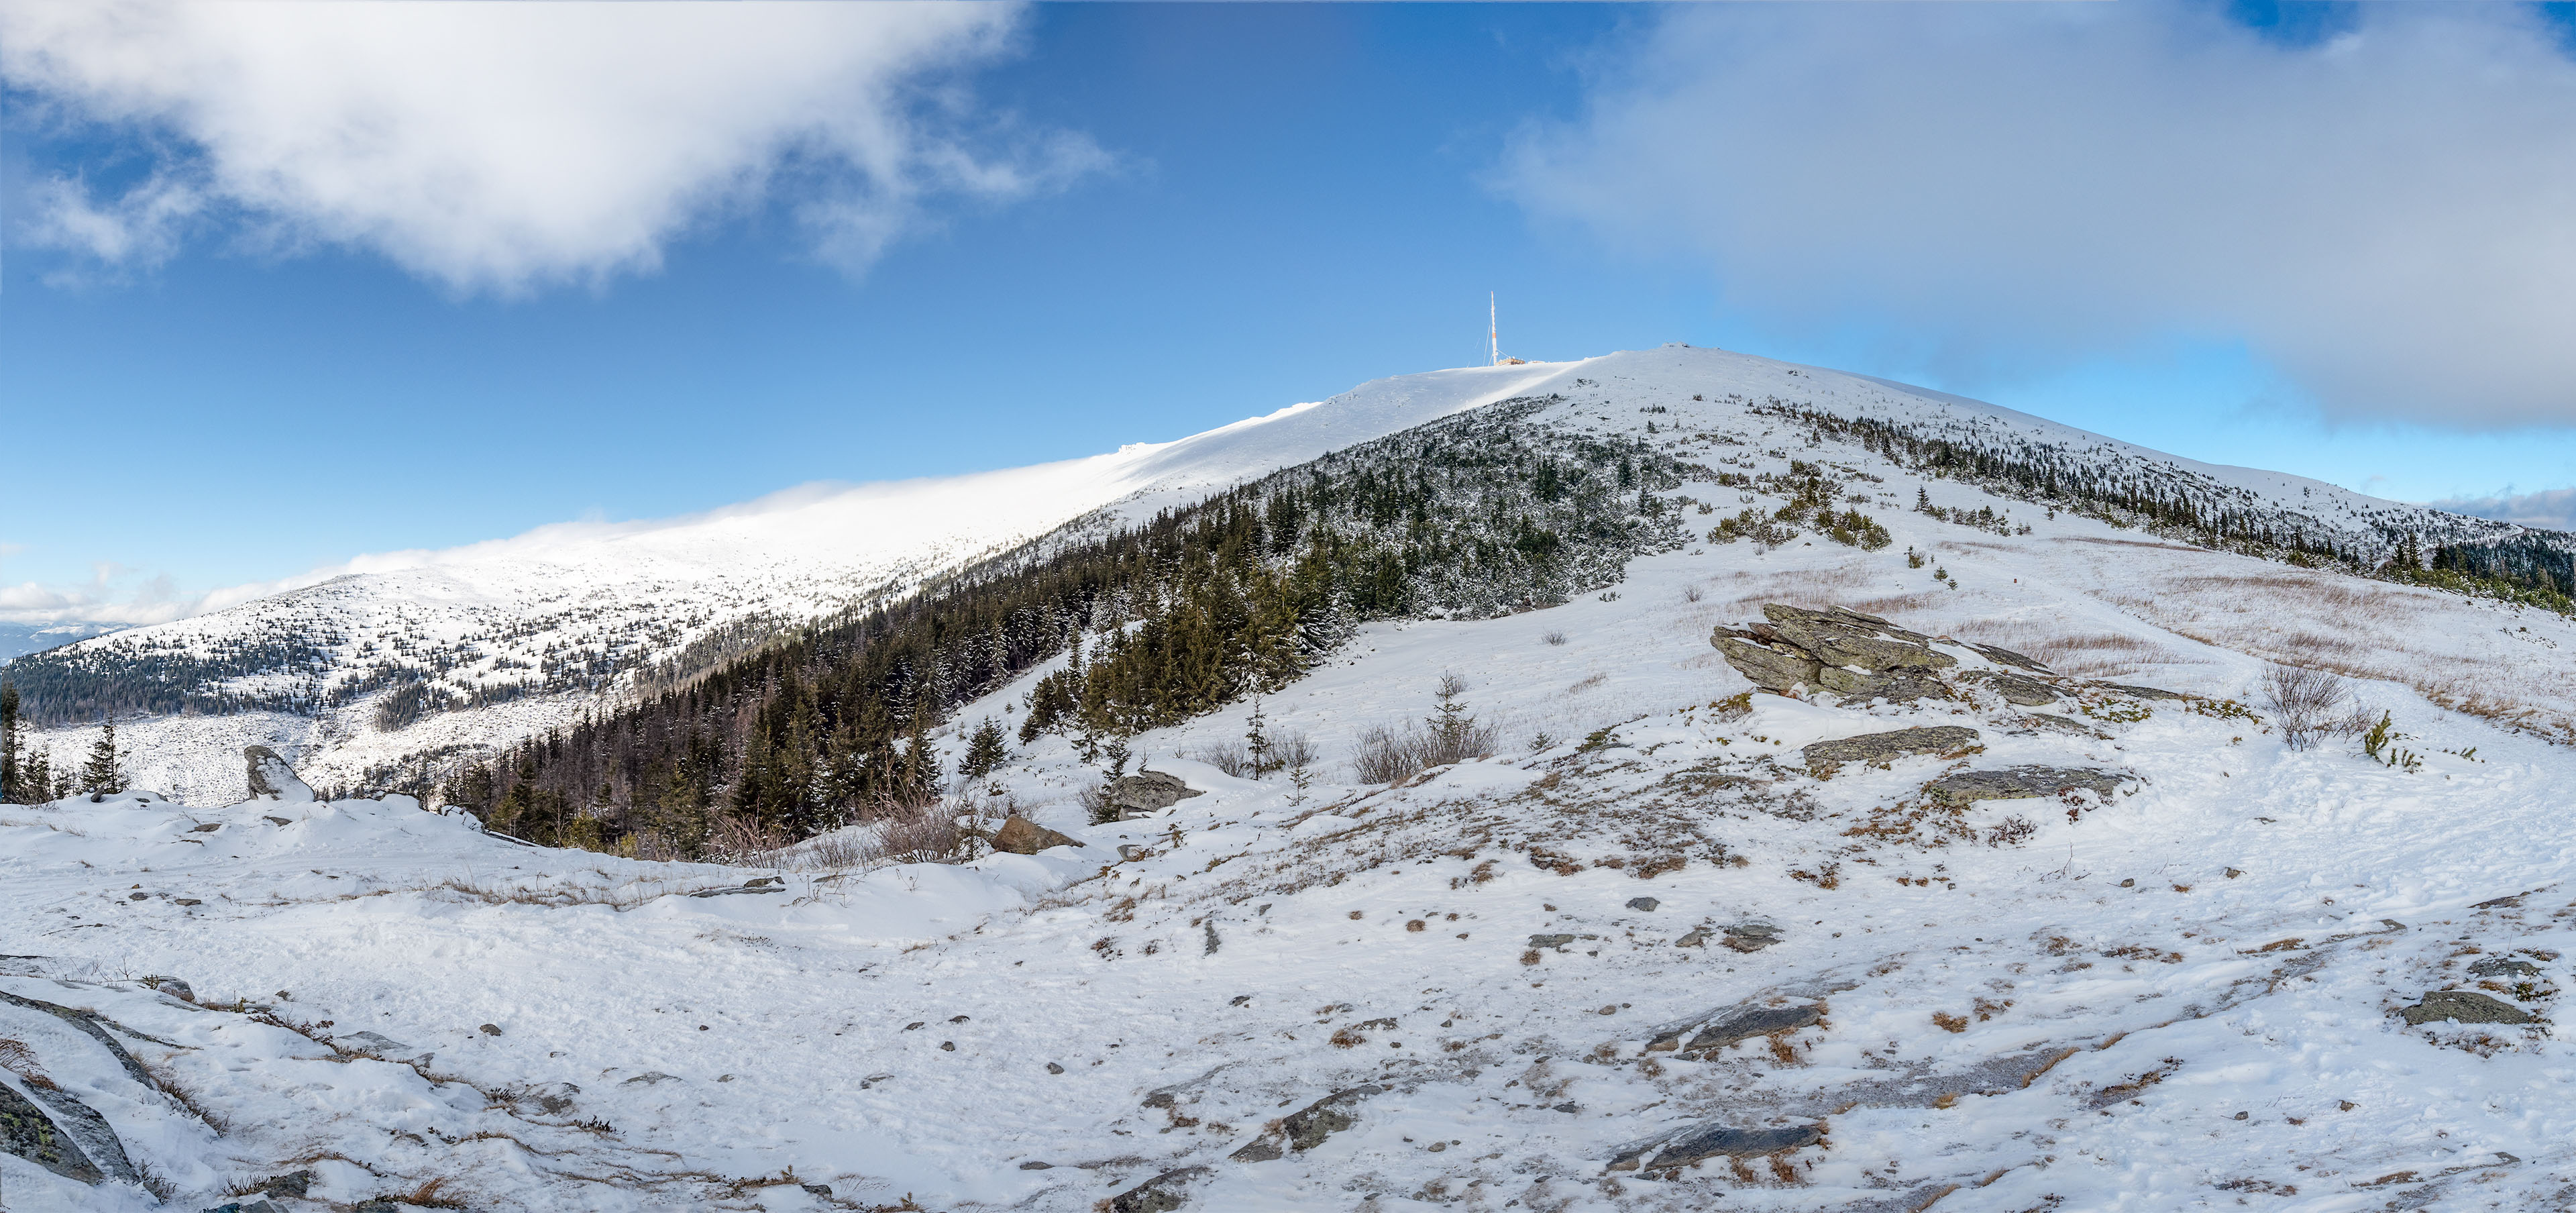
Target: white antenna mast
{"x":1493,"y":332}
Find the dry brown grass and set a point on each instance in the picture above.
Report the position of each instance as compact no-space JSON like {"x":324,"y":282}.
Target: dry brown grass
{"x":18,"y":1059}
{"x":1815,"y":590}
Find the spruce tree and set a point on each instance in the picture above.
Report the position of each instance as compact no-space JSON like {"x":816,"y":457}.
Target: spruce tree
{"x":985,"y":752}
{"x":9,"y":773}
{"x":104,"y":774}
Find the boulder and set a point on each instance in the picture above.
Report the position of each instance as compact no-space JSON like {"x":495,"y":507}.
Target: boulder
{"x":1148,"y":792}
{"x":293,"y":1183}
{"x":1647,"y":904}
{"x":1825,"y":757}
{"x":1021,"y":836}
{"x":1845,"y":637}
{"x":270,"y":778}
{"x":173,"y":987}
{"x":1751,"y":936}
{"x":2021,"y":783}
{"x":1772,"y":667}
{"x":2465,"y":1006}
{"x":1901,"y":686}
{"x":2015,"y":688}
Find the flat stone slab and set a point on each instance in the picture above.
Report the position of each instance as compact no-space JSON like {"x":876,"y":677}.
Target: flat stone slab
{"x":2504,"y":966}
{"x":2144,"y":692}
{"x":1825,"y":757}
{"x":2017,"y":689}
{"x":2466,"y":1006}
{"x":2021,"y":783}
{"x":1740,"y":1024}
{"x":1714,"y":1141}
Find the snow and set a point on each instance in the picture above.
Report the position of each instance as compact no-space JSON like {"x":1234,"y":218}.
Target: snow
{"x":2074,"y":1019}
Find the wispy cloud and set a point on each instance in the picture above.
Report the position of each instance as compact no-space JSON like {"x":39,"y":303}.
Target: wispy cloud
{"x":113,"y":594}
{"x":2548,"y":509}
{"x":504,"y":147}
{"x":2388,"y":215}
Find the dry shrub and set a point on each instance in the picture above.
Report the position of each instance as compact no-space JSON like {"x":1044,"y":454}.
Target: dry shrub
{"x":1231,"y":757}
{"x":18,"y":1059}
{"x":2302,"y":701}
{"x":1815,"y":590}
{"x":1948,"y":1022}
{"x":1895,"y":605}
{"x":1390,"y":755}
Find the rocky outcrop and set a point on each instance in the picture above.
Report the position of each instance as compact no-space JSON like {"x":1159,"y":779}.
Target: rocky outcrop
{"x":2016,"y":689}
{"x":2464,"y":1006}
{"x":270,"y":778}
{"x":1161,"y":1194}
{"x":2003,"y":656}
{"x":1307,"y":1127}
{"x":1021,"y":836}
{"x":1722,"y":1028}
{"x":2144,"y":692}
{"x":2021,"y":783}
{"x":1714,"y":1140}
{"x":1825,"y":757}
{"x":1148,"y":792}
{"x":27,"y":1132}
{"x":1855,"y":655}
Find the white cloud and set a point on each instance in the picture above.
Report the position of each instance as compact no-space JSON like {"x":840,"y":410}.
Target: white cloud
{"x":2548,"y":509}
{"x":506,"y":146}
{"x":114,"y":595}
{"x":2388,"y":215}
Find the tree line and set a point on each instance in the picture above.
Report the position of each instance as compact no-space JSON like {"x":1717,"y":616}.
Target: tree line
{"x":1151,"y":623}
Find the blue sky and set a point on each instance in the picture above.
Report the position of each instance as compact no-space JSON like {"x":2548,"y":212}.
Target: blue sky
{"x":1178,"y":216}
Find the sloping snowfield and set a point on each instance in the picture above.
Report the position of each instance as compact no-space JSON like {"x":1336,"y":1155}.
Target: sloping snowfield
{"x":2184,"y":993}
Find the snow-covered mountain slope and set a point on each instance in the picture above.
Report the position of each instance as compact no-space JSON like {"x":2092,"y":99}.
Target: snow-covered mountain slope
{"x":2186,"y":993}
{"x":455,"y":651}
{"x":423,"y":658}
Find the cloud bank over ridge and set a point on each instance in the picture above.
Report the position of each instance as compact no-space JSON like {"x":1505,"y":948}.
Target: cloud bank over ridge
{"x":2387,"y":214}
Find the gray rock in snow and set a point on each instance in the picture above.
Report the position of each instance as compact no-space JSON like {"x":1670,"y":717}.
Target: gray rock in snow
{"x":1307,"y":1127}
{"x":2465,"y":1006}
{"x":27,"y":1132}
{"x":1751,"y":936}
{"x":1148,"y":792}
{"x":2144,"y":692}
{"x":173,"y":987}
{"x":256,"y":1206}
{"x":1021,"y":836}
{"x":1772,"y":667}
{"x":1550,"y":941}
{"x":2004,"y":656}
{"x":1711,"y":1141}
{"x":1739,"y":1024}
{"x":1647,"y":904}
{"x":2061,"y":724}
{"x":2016,"y":689}
{"x":1840,"y":637}
{"x":2021,"y":783}
{"x":553,"y":1098}
{"x":293,"y":1183}
{"x":1161,"y":1194}
{"x":1896,"y":686}
{"x":652,"y":1079}
{"x":1825,"y":757}
{"x":2503,"y":966}
{"x":270,"y":778}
